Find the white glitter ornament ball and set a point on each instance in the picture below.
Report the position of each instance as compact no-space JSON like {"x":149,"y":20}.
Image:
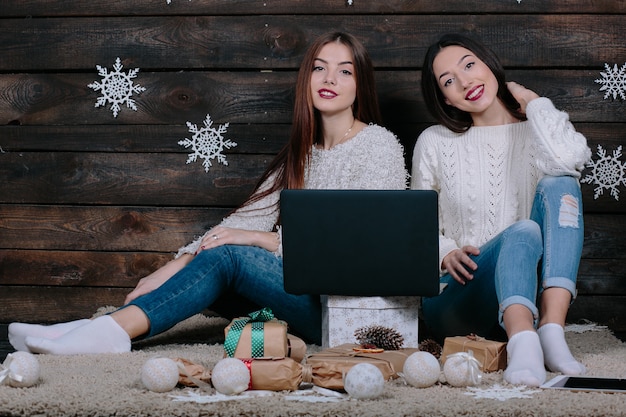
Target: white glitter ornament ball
{"x":461,"y":370}
{"x":230,"y":376}
{"x":421,"y":369}
{"x":364,"y":381}
{"x":24,"y":369}
{"x":159,"y":374}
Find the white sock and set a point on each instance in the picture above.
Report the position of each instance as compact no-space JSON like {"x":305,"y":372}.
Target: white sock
{"x":18,"y":332}
{"x":525,"y":360}
{"x":102,"y":335}
{"x":556,"y":353}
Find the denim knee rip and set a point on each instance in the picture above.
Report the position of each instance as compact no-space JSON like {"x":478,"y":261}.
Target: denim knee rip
{"x":568,"y":211}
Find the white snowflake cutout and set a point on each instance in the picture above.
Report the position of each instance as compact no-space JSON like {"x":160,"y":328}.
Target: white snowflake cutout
{"x":613,"y":81}
{"x":585,"y":326}
{"x":500,"y":393}
{"x":207,"y":143}
{"x":116,"y":87}
{"x":202,"y":398}
{"x":607,"y":172}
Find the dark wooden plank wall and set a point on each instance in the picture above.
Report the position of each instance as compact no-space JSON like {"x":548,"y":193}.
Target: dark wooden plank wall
{"x":90,"y":203}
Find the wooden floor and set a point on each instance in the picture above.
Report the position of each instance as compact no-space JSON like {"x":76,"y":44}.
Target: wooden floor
{"x":6,"y":348}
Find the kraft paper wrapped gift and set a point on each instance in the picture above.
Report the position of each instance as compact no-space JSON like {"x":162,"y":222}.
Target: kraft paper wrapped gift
{"x":329,"y":366}
{"x":490,"y":354}
{"x":274,"y":374}
{"x":296,"y":347}
{"x":192,"y":374}
{"x":325,"y":369}
{"x":258,"y":335}
{"x":342,"y":315}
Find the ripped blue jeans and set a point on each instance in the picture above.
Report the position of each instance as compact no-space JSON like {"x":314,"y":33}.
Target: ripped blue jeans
{"x":508,"y":270}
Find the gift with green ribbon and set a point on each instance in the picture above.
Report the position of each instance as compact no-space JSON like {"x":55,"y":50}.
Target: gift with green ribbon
{"x":258,"y":335}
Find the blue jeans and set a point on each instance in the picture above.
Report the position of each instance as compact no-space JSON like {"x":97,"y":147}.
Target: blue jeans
{"x":508,"y":270}
{"x":252,"y":272}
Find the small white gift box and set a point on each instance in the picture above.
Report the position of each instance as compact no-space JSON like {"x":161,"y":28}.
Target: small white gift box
{"x":342,"y":315}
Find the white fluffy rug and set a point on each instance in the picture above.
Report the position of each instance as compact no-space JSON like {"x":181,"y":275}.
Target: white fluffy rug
{"x":109,"y":385}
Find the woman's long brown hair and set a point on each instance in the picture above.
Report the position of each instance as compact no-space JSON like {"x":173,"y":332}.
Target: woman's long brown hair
{"x":289,"y":164}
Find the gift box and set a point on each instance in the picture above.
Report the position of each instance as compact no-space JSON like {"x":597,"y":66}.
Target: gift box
{"x":328,"y":367}
{"x":275,"y":374}
{"x":490,"y":354}
{"x":258,"y":335}
{"x":342,"y":315}
{"x":324,"y":369}
{"x":296,"y":348}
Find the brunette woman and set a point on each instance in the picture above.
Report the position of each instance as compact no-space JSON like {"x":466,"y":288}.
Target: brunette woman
{"x":336,"y":142}
{"x":506,"y":165}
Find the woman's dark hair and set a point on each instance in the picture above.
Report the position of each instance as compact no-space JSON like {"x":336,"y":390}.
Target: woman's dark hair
{"x":449,"y":116}
{"x":289,"y":165}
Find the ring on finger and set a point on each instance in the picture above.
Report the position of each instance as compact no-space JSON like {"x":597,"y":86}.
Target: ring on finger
{"x":215,"y":237}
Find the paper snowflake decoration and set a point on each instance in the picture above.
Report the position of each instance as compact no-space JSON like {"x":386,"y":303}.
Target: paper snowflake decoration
{"x":207,"y":143}
{"x":613,"y":81}
{"x":607,"y":172}
{"x":202,"y":398}
{"x":586,"y":326}
{"x":117,"y":87}
{"x":500,"y":393}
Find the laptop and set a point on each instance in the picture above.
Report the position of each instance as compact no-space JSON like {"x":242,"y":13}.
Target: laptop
{"x":360,"y":242}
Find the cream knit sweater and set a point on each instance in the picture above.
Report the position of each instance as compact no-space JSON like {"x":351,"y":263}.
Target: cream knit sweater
{"x":373,"y":159}
{"x":486,"y":177}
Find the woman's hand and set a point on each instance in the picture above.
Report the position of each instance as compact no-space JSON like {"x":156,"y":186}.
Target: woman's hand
{"x":522,"y":94}
{"x":220,"y":235}
{"x":215,"y":237}
{"x":157,"y":278}
{"x":459,"y":264}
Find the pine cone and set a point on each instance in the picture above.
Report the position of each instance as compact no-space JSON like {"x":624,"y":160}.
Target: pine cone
{"x":430,"y":346}
{"x":379,"y":336}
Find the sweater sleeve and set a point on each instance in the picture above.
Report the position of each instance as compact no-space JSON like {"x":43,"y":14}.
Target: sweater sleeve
{"x":424,"y":177}
{"x":563,"y":150}
{"x":262,"y":215}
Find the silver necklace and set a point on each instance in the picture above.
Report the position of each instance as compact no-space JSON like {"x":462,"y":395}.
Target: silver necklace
{"x":345,"y":135}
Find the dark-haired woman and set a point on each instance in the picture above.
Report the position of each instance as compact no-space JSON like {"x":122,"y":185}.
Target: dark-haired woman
{"x":335,"y":143}
{"x":506,"y":165}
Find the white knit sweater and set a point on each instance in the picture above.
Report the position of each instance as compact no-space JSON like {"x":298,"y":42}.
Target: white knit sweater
{"x":486,"y":177}
{"x":373,"y":159}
